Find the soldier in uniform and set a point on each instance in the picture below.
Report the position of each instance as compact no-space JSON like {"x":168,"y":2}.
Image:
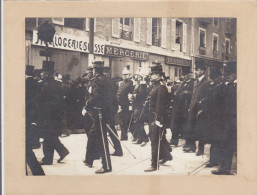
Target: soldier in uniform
{"x":31,"y":113}
{"x":98,"y":107}
{"x":158,"y":119}
{"x":125,"y":88}
{"x":229,"y":135}
{"x":51,"y":117}
{"x":197,"y":120}
{"x":182,"y":101}
{"x":139,"y":104}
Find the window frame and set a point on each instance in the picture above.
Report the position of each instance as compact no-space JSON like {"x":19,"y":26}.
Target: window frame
{"x":226,"y":39}
{"x":205,"y":43}
{"x":215,"y":35}
{"x":218,"y":22}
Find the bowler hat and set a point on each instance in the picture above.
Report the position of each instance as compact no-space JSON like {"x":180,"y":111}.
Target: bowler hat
{"x":186,"y":70}
{"x":200,"y":65}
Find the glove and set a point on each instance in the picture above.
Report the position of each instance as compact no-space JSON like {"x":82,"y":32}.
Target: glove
{"x":119,"y":110}
{"x":158,"y":123}
{"x":130,"y":108}
{"x":84,"y":111}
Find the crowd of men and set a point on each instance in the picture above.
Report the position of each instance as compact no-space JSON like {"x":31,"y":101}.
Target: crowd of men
{"x":193,"y":108}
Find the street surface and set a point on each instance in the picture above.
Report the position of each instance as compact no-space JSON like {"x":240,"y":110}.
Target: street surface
{"x":182,"y":163}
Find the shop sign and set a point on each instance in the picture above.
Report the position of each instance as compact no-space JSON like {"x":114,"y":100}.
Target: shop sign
{"x":121,"y":52}
{"x":70,"y":42}
{"x":177,"y":61}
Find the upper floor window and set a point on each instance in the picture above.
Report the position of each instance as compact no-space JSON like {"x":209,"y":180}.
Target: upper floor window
{"x":156,"y":31}
{"x":215,"y":42}
{"x":78,"y":23}
{"x":216,"y":22}
{"x":202,"y":37}
{"x":126,"y":28}
{"x":227,"y":45}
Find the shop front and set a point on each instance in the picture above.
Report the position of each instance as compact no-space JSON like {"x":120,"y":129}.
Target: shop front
{"x":175,"y":65}
{"x":121,"y":57}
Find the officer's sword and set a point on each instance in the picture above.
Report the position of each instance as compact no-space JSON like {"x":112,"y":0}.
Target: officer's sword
{"x":159,"y":143}
{"x":120,"y":141}
{"x":101,"y":127}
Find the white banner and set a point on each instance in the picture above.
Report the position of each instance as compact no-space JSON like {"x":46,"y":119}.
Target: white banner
{"x":70,"y":42}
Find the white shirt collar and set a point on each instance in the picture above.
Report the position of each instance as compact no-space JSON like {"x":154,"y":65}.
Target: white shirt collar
{"x":200,"y":78}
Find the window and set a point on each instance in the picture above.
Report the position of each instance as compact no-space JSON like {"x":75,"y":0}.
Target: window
{"x":179,"y":32}
{"x":176,"y":72}
{"x":78,"y":23}
{"x":216,"y":22}
{"x":156,"y":30}
{"x":125,"y":28}
{"x":202,"y":37}
{"x":215,"y":42}
{"x":227,"y":45}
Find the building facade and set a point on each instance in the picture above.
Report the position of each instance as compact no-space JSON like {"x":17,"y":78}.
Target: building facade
{"x":175,"y":42}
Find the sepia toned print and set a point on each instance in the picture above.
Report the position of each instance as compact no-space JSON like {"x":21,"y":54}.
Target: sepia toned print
{"x":131,"y":96}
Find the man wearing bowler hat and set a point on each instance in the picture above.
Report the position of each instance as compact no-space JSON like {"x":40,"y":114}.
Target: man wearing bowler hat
{"x":51,"y":116}
{"x":158,"y":101}
{"x":181,"y":105}
{"x":197,"y":120}
{"x":98,"y":106}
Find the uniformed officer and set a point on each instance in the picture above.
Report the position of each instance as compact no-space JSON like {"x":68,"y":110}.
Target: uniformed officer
{"x":98,"y":107}
{"x":139,"y":104}
{"x":51,"y":117}
{"x":158,"y":121}
{"x":181,"y":104}
{"x":125,"y":89}
{"x":31,"y":113}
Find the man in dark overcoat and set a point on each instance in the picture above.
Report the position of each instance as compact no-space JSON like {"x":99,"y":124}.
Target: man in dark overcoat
{"x":229,"y":136}
{"x":181,"y":105}
{"x":51,"y":117}
{"x":98,"y":107}
{"x":158,"y":119}
{"x":31,"y":125}
{"x":197,"y":120}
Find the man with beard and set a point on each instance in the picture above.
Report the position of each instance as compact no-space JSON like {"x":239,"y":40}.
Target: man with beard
{"x":197,"y":120}
{"x":51,"y":117}
{"x":125,"y":88}
{"x":98,"y":107}
{"x":182,"y":101}
{"x":158,"y":119}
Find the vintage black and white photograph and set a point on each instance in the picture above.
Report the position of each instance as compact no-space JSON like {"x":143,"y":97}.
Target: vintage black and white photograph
{"x":131,"y":96}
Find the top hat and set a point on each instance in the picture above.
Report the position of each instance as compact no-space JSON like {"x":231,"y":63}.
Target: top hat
{"x":98,"y":64}
{"x":200,"y":65}
{"x":186,"y":70}
{"x":156,"y":68}
{"x":48,"y":66}
{"x":230,"y":67}
{"x":29,"y":70}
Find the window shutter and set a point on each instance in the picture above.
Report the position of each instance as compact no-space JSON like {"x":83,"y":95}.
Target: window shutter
{"x":173,"y":33}
{"x":184,"y":37}
{"x":87,"y":24}
{"x":115,"y":27}
{"x":149,"y":31}
{"x":137,"y":25}
{"x":164,"y":27}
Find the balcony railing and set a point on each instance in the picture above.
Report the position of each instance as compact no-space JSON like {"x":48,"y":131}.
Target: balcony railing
{"x":215,"y":54}
{"x":226,"y":57}
{"x":126,"y":35}
{"x":202,"y":50}
{"x":157,"y":42}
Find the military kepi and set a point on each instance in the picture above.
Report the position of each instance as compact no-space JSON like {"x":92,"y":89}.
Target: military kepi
{"x":98,"y":64}
{"x":156,"y":68}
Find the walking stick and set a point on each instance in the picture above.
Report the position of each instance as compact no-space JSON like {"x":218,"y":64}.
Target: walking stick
{"x":101,"y":127}
{"x":110,"y":143}
{"x":130,"y":120}
{"x":120,"y":141}
{"x":158,"y":151}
